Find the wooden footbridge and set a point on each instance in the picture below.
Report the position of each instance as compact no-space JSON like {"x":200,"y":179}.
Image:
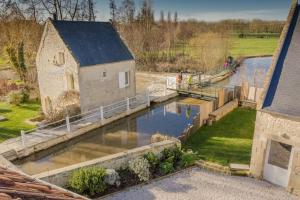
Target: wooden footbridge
{"x":203,"y":93}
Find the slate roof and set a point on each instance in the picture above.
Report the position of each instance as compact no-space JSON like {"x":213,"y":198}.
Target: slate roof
{"x":14,"y":185}
{"x":93,"y":43}
{"x":283,"y":94}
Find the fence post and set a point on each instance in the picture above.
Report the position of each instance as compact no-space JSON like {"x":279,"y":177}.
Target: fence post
{"x":68,"y":124}
{"x":101,"y":113}
{"x":165,"y":90}
{"x":128,"y":103}
{"x":23,"y":138}
{"x":148,"y":97}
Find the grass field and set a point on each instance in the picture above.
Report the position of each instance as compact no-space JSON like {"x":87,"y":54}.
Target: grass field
{"x":16,"y":117}
{"x":226,"y":141}
{"x":253,"y":46}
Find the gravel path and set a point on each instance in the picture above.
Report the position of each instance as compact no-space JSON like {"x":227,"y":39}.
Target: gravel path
{"x":202,"y":185}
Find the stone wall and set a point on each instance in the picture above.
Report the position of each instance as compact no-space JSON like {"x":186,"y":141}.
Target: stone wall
{"x":278,"y":128}
{"x":224,"y":110}
{"x":52,"y":78}
{"x":60,"y":177}
{"x":96,"y":90}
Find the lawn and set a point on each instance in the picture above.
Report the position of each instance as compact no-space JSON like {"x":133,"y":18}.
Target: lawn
{"x":16,"y":117}
{"x":253,"y":46}
{"x":226,"y":141}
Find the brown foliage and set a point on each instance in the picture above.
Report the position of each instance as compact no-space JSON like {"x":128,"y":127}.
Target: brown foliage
{"x":68,"y":105}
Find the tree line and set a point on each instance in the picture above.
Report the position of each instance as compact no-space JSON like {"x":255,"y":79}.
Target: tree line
{"x":158,"y":44}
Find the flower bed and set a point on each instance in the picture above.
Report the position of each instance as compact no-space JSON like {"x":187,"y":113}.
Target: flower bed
{"x":96,"y":181}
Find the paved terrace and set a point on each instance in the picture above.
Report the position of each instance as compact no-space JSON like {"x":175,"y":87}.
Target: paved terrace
{"x":202,"y":185}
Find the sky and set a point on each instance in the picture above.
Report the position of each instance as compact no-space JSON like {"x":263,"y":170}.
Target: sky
{"x":211,"y":10}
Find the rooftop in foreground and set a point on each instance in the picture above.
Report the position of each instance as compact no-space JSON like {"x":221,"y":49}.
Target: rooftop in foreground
{"x":283,"y":95}
{"x":14,"y":185}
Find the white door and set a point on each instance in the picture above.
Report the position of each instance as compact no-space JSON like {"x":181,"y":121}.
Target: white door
{"x":278,"y":163}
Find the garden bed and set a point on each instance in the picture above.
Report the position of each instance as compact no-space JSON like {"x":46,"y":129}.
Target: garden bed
{"x":97,"y":182}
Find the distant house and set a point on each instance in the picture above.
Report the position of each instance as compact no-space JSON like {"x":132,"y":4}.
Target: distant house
{"x":87,"y":57}
{"x":276,"y":145}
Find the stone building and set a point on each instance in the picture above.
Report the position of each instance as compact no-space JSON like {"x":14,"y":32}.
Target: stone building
{"x":88,"y":58}
{"x":276,"y":145}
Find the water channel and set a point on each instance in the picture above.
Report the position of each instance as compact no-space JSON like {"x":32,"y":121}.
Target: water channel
{"x":170,"y":118}
{"x":252,"y":70}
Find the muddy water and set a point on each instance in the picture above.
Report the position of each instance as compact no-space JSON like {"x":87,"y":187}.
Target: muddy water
{"x":170,"y":118}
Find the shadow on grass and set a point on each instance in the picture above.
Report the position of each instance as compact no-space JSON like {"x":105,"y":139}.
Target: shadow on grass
{"x":6,"y":133}
{"x":30,"y":106}
{"x":4,"y":111}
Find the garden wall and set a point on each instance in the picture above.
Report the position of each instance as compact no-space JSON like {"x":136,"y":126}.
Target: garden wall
{"x":60,"y":176}
{"x":221,"y":112}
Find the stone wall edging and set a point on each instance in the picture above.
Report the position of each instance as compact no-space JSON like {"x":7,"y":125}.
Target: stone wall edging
{"x":60,"y":176}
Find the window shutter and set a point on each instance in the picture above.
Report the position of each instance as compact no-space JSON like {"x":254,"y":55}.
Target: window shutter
{"x":121,"y":79}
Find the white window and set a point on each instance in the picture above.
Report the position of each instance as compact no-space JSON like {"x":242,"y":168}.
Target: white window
{"x":124,"y":79}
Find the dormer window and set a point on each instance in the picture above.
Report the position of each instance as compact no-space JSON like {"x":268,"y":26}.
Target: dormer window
{"x":59,"y":59}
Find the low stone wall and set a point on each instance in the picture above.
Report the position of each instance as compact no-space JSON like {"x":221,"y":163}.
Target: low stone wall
{"x":248,"y":104}
{"x":60,"y":176}
{"x":221,"y":112}
{"x":214,"y":167}
{"x":198,"y":121}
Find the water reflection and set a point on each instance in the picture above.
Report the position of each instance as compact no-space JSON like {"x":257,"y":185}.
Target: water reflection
{"x":253,"y":70}
{"x":134,"y":131}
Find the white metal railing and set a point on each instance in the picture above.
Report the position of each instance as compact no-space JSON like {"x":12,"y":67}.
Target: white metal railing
{"x":101,"y":113}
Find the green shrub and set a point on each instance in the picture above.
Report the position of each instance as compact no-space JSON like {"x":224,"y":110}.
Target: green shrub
{"x":15,"y":98}
{"x":166,"y":168}
{"x":172,"y":155}
{"x":153,"y":161}
{"x":88,"y":181}
{"x":18,"y":97}
{"x":188,"y":159}
{"x":140,"y":166}
{"x":25,"y":95}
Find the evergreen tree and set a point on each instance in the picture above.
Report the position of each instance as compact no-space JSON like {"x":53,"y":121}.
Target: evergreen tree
{"x":17,"y":59}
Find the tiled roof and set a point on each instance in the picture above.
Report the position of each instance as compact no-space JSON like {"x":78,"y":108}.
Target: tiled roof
{"x":283,"y":94}
{"x":93,"y":43}
{"x":14,"y":185}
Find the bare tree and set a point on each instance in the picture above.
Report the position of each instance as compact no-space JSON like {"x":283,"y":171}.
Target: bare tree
{"x":127,"y":11}
{"x":162,"y":17}
{"x":113,"y":11}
